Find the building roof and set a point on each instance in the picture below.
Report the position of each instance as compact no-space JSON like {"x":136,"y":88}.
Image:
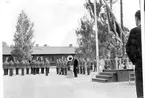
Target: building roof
{"x":45,"y":50}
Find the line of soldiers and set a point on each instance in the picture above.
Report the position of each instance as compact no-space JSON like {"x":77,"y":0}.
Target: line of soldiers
{"x":62,"y":66}
{"x":34,"y":66}
{"x":84,"y":66}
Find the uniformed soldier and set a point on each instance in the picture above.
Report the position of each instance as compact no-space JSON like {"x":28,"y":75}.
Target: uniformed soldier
{"x":42,"y":66}
{"x":57,"y":67}
{"x":88,"y":66}
{"x":65,"y":66}
{"x":22,"y":67}
{"x":27,"y":67}
{"x":60,"y":65}
{"x":95,"y":66}
{"x":38,"y":66}
{"x":78,"y":68}
{"x":84,"y":65}
{"x":17,"y":67}
{"x":81,"y":65}
{"x":47,"y":64}
{"x":33,"y":67}
{"x":11,"y":65}
{"x":5,"y":67}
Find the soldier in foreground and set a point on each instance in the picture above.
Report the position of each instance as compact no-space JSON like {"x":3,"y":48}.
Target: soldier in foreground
{"x":134,"y":52}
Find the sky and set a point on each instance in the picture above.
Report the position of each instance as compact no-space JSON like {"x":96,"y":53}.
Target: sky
{"x":55,"y":21}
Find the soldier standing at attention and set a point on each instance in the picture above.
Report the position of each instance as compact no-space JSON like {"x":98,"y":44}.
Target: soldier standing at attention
{"x":11,"y":64}
{"x":27,"y":67}
{"x":61,"y":67}
{"x":134,"y":52}
{"x":57,"y":66}
{"x":65,"y":63}
{"x":17,"y":67}
{"x":42,"y":63}
{"x":5,"y":67}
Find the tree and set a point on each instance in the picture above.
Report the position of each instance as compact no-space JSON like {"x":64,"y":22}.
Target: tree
{"x":4,"y":44}
{"x":86,"y":38}
{"x":22,"y":48}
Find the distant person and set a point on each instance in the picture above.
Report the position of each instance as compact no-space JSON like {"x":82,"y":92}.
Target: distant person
{"x":134,"y":52}
{"x":75,"y":67}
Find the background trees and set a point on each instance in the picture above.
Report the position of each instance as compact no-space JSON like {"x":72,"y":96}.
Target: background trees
{"x":108,"y":46}
{"x":22,"y":48}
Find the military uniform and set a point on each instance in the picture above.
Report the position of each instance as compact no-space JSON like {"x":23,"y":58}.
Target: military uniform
{"x":65,"y":67}
{"x":17,"y":67}
{"x":47,"y":63}
{"x":57,"y":67}
{"x":84,"y":65}
{"x":88,"y":67}
{"x":95,"y":66}
{"x":42,"y":66}
{"x":22,"y":67}
{"x":81,"y":66}
{"x":11,"y":65}
{"x":5,"y":67}
{"x":27,"y":67}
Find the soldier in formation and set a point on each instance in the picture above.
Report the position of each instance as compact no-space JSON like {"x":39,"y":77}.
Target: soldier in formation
{"x":42,"y":66}
{"x":5,"y":67}
{"x":65,"y":66}
{"x":88,"y":63}
{"x":47,"y":64}
{"x":11,"y":66}
{"x":57,"y":66}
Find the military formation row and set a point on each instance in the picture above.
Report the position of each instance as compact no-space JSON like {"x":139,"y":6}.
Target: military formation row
{"x":25,"y":64}
{"x":33,"y":67}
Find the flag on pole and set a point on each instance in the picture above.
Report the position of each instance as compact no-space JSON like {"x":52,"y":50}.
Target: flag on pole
{"x":112,"y":22}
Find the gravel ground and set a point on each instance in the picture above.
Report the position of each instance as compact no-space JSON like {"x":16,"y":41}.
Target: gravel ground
{"x":56,"y":86}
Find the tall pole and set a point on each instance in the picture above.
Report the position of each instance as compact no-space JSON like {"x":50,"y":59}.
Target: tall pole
{"x":97,"y":45}
{"x":121,"y":18}
{"x":111,"y":4}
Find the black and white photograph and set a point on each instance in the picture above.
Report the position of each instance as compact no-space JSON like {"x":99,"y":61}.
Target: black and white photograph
{"x":72,"y":48}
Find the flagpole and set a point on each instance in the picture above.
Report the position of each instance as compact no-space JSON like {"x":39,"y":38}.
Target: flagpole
{"x":96,"y":29}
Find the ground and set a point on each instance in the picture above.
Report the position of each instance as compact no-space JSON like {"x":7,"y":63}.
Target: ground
{"x":56,"y":86}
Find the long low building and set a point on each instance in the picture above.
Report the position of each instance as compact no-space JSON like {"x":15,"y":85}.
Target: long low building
{"x":52,"y":53}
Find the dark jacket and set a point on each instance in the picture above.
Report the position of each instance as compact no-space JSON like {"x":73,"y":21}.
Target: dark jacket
{"x":75,"y":64}
{"x":133,"y":47}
